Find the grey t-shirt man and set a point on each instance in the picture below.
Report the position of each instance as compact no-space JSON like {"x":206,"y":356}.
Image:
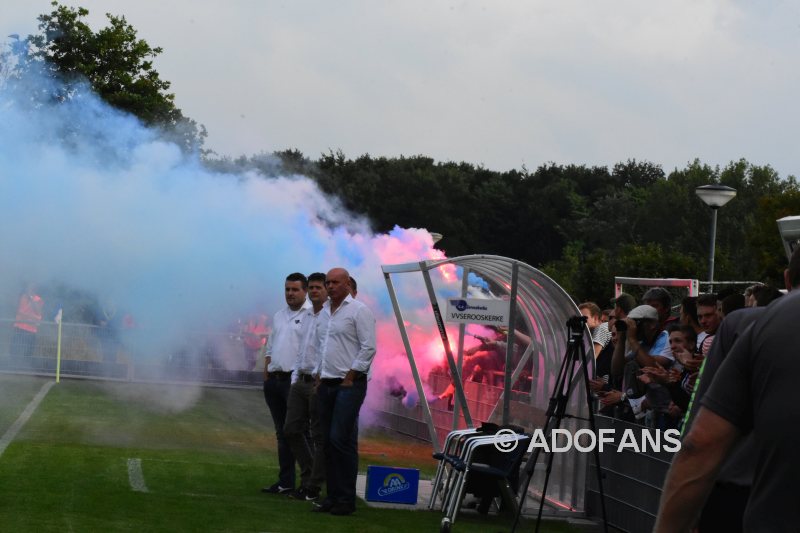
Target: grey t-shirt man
{"x":755,"y":389}
{"x":740,"y":464}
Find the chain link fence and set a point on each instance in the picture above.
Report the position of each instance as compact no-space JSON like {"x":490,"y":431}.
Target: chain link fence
{"x":127,"y":354}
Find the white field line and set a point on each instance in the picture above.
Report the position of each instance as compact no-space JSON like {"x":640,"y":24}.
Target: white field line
{"x":136,"y":476}
{"x":213,"y":463}
{"x":24,"y":417}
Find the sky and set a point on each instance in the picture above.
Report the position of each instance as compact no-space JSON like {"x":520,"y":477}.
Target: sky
{"x":500,"y":84}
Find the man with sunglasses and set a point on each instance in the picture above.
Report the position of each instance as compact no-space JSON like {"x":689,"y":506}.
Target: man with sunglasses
{"x":645,"y":344}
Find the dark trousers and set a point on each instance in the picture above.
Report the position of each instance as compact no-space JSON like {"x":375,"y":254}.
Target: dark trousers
{"x":338,"y":415}
{"x":276,"y":394}
{"x":301,"y":416}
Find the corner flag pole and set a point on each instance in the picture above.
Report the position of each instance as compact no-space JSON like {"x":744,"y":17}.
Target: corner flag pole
{"x":58,"y":347}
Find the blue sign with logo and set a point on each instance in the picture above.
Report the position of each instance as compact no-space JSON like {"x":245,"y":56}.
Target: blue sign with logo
{"x":392,"y":485}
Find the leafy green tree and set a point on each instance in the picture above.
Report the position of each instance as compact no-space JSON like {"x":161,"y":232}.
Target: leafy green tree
{"x":270,"y":165}
{"x":582,"y":225}
{"x":117,"y":65}
{"x":585,"y":224}
{"x":763,"y":239}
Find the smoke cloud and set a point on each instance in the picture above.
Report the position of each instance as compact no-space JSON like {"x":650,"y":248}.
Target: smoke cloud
{"x":92,"y":200}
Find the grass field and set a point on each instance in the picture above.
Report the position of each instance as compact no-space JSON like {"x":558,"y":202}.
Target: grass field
{"x":204,"y":455}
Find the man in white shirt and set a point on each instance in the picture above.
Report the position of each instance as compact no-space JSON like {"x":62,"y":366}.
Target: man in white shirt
{"x":302,"y":412}
{"x":281,"y":352}
{"x":346,"y":337}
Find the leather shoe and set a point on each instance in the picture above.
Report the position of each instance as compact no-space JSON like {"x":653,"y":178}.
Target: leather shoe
{"x":303,"y":493}
{"x":324,"y":507}
{"x":276,"y":488}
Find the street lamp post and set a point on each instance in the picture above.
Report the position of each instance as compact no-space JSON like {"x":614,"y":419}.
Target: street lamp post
{"x":714,"y":196}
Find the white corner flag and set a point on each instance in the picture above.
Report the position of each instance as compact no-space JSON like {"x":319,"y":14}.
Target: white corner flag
{"x":57,"y":318}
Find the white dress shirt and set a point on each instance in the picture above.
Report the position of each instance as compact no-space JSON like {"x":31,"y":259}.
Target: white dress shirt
{"x":346,"y":338}
{"x":284,"y":342}
{"x":307,"y":360}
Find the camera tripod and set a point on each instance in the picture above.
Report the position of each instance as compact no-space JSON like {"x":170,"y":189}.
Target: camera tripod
{"x":556,"y":412}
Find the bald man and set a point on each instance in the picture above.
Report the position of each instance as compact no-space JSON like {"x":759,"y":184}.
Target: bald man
{"x":346,"y":347}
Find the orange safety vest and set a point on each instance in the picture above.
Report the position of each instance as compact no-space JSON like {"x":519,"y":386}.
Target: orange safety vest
{"x":255,"y":332}
{"x":29,"y":313}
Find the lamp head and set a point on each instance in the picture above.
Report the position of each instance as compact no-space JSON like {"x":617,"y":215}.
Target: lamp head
{"x":789,"y":228}
{"x":715,"y":196}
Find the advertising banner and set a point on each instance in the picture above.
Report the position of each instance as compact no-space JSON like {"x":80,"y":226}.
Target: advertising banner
{"x":477,"y":311}
{"x":392,"y":485}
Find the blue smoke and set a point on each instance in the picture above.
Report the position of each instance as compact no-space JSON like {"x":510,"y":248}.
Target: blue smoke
{"x":92,"y":200}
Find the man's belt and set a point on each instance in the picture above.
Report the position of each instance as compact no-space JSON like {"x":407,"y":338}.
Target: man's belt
{"x":280,"y":375}
{"x":337,"y":381}
{"x":308,"y":378}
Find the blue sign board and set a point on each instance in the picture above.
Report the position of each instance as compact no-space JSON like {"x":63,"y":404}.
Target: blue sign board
{"x":392,"y":485}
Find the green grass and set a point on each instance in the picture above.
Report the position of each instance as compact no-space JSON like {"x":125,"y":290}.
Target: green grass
{"x":15,"y":393}
{"x":203,"y":464}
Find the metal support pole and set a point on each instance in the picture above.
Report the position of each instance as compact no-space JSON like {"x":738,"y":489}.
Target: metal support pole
{"x":526,"y":355}
{"x":461,"y":331}
{"x":423,"y":401}
{"x":455,"y":372}
{"x":512,"y":315}
{"x":713,"y":245}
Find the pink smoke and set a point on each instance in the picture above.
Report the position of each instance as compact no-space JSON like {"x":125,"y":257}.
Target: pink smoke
{"x":391,"y":360}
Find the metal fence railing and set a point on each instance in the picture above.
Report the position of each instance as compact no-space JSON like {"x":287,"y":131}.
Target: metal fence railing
{"x":632,"y":481}
{"x":94,"y":351}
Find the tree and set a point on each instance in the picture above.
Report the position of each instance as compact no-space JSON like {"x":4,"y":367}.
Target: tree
{"x":116,"y":64}
{"x":763,"y":237}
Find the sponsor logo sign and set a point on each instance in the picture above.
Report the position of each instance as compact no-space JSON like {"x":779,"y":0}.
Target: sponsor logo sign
{"x":477,"y":311}
{"x":393,"y":485}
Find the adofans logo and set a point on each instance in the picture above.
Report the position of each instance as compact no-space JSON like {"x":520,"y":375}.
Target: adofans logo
{"x":392,"y":484}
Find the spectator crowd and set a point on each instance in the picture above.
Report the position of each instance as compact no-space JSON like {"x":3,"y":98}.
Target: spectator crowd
{"x":649,"y":354}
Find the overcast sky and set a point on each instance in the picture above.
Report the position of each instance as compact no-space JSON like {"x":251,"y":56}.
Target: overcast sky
{"x":498,"y":83}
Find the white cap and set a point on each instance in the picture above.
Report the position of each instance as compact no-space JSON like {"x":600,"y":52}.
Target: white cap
{"x":646,"y":312}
